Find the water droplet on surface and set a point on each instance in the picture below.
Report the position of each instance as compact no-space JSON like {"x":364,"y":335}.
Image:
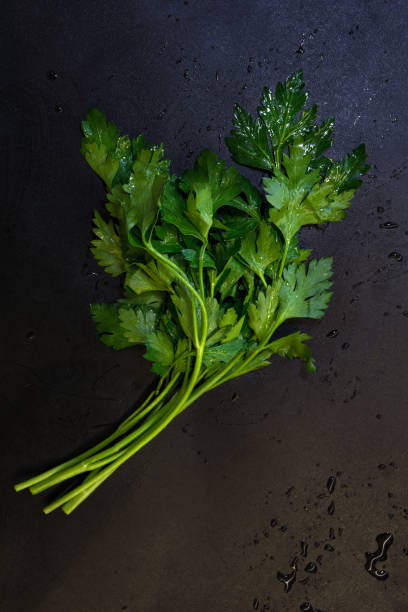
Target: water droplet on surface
{"x":345,"y":346}
{"x":306,"y":607}
{"x":52,"y":75}
{"x":332,"y":333}
{"x":382,"y":466}
{"x":395,"y":255}
{"x":249,"y":68}
{"x":30,"y":336}
{"x":311,"y":567}
{"x":331,"y":508}
{"x":273,"y":522}
{"x":58,"y":108}
{"x":255,"y":604}
{"x":331,"y":483}
{"x":380,"y":209}
{"x":388,"y":225}
{"x":328,"y":547}
{"x":288,"y":579}
{"x":303,"y":549}
{"x":384,"y":541}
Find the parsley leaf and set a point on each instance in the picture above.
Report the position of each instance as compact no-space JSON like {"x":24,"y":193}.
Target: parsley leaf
{"x":137,"y":323}
{"x":248,"y":142}
{"x":108,"y":324}
{"x":293,"y":346}
{"x":145,"y":188}
{"x":262,"y":312}
{"x":107,"y":248}
{"x":304,"y":292}
{"x":160,"y":350}
{"x":260,"y":249}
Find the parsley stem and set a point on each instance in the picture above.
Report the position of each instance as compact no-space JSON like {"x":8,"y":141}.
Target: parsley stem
{"x":200,"y":268}
{"x":48,"y":476}
{"x":283,"y":260}
{"x":184,"y":280}
{"x":97,"y":478}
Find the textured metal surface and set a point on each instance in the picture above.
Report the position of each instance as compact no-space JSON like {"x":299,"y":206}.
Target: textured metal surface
{"x":186,"y":525}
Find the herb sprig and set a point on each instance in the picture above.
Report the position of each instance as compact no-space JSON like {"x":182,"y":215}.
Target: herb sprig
{"x":210,"y":270}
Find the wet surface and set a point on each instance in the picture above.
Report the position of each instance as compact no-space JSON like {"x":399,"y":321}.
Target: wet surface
{"x":384,"y":541}
{"x":204,"y":517}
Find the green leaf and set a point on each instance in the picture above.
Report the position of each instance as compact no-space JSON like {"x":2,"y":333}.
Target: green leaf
{"x":298,"y":197}
{"x":108,"y":324}
{"x":182,"y":301}
{"x":145,"y":188}
{"x":154,"y":299}
{"x":160,"y":350}
{"x":180,"y":358}
{"x":304,"y":293}
{"x":123,"y":153}
{"x":346,"y":176}
{"x":209,"y":186}
{"x":293,"y":346}
{"x":295,"y":254}
{"x":192,"y":256}
{"x":107,"y":248}
{"x":234,"y":331}
{"x":259,"y":249}
{"x":286,"y":192}
{"x":99,"y":145}
{"x":228,"y":283}
{"x":248,"y":142}
{"x":224,"y":251}
{"x":258,"y":362}
{"x":153,"y":276}
{"x":237,"y":226}
{"x":279,"y":111}
{"x":169,"y":241}
{"x":137,"y":323}
{"x":229,"y":317}
{"x":174,"y":209}
{"x":250,"y":206}
{"x":223,"y":353}
{"x":212,"y":307}
{"x":262,"y":313}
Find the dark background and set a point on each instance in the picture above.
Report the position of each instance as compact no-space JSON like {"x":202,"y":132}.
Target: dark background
{"x":185,"y":525}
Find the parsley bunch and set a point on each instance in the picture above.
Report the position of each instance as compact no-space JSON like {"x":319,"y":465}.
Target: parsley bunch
{"x":210,"y":270}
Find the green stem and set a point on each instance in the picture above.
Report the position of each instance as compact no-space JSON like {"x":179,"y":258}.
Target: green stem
{"x":177,"y":272}
{"x":283,"y":260}
{"x":49,"y":475}
{"x":99,"y":459}
{"x":96,"y":479}
{"x":73,"y":503}
{"x":201,"y":268}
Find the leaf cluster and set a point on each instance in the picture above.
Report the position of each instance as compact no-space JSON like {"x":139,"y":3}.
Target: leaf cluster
{"x":211,"y":268}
